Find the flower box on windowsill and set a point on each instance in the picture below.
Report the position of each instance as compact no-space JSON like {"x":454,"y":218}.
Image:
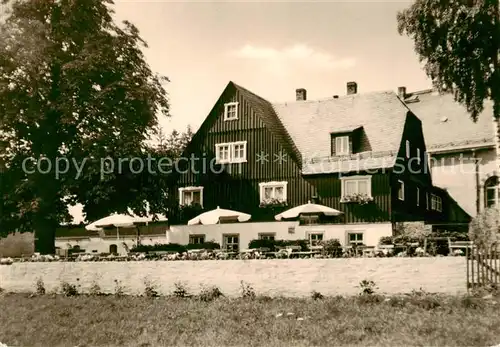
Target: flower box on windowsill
{"x":273,"y":203}
{"x":361,"y":199}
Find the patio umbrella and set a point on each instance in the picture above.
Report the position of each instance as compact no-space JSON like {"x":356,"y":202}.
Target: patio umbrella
{"x":307,"y":209}
{"x":215,"y":216}
{"x":120,"y":221}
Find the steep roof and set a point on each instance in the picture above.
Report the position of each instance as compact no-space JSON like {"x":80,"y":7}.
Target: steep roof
{"x":310,"y":123}
{"x":266,"y":111}
{"x":447,"y":124}
{"x":304,"y":128}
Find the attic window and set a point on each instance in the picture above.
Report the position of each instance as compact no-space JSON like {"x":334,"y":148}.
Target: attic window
{"x":341,"y":145}
{"x":231,"y":111}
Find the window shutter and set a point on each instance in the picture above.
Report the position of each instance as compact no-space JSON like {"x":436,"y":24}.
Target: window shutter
{"x":350,"y":151}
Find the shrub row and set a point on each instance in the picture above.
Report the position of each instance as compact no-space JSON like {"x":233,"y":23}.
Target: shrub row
{"x":367,"y":295}
{"x":174,"y":247}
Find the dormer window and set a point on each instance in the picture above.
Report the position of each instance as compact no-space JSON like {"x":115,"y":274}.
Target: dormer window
{"x":231,"y":111}
{"x":346,"y":141}
{"x":342,"y":145}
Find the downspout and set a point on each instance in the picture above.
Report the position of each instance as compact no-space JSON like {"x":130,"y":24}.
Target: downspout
{"x":478,"y":191}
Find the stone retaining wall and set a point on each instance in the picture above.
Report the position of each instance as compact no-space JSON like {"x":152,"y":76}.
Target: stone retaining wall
{"x":288,"y":277}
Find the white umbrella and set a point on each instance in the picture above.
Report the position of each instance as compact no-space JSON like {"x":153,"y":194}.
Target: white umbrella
{"x":308,"y":208}
{"x":215,"y":216}
{"x":120,"y":221}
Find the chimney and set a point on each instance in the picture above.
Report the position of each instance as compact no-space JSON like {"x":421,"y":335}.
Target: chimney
{"x":352,"y":88}
{"x":301,"y":94}
{"x":402,"y":92}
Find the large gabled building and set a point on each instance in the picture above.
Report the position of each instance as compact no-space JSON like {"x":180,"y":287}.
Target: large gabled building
{"x":340,"y":152}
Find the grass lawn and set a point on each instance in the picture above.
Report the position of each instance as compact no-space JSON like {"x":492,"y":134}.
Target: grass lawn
{"x":418,"y":320}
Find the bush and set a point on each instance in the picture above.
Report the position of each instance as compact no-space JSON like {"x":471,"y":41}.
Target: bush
{"x":173,"y":247}
{"x":150,"y":289}
{"x":483,"y":229}
{"x":210,"y":293}
{"x":367,"y":287}
{"x":247,"y":291}
{"x":119,"y":288}
{"x":316,"y":295}
{"x":262,"y":244}
{"x":386,"y":240}
{"x":95,"y":289}
{"x":40,"y":286}
{"x":207,"y":245}
{"x":68,"y":289}
{"x":180,"y":290}
{"x":332,"y":248}
{"x":274,"y":244}
{"x":168,"y":247}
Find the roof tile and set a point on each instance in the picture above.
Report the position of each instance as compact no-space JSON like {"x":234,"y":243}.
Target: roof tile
{"x":447,"y":124}
{"x":310,"y":123}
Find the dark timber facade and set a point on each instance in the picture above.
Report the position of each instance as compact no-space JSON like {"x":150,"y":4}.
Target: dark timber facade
{"x":249,"y":155}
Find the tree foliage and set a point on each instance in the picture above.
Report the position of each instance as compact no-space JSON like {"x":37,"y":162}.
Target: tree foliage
{"x":75,"y":85}
{"x":484,"y":229}
{"x":459,"y":42}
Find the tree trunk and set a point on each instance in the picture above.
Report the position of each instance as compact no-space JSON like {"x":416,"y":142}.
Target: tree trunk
{"x":45,"y":236}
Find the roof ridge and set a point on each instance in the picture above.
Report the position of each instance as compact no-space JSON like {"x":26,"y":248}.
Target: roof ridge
{"x":331,"y":98}
{"x":250,"y":92}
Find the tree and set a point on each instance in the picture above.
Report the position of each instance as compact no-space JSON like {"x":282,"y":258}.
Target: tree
{"x":459,"y":41}
{"x":484,"y":229}
{"x":175,"y":143}
{"x":74,"y":90}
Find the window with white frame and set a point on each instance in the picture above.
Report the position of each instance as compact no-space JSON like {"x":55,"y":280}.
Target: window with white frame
{"x":234,"y":152}
{"x":196,"y":239}
{"x":190,"y":196}
{"x":267,"y":236}
{"x":315,"y":237}
{"x":355,"y":238}
{"x":342,"y":145}
{"x":401,"y":190}
{"x":492,"y":191}
{"x":356,"y":185}
{"x":273,"y":191}
{"x":408,"y":149}
{"x":231,"y":111}
{"x":436,"y":203}
{"x":232,"y":243}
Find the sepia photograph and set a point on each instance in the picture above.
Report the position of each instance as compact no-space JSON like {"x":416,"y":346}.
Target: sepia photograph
{"x":249,"y":173}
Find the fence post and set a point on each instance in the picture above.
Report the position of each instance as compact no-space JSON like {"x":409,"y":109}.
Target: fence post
{"x":467,"y":265}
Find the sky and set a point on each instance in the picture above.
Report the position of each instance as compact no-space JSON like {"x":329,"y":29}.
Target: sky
{"x":271,"y":48}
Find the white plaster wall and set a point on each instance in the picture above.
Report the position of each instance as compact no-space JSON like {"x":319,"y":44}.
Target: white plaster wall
{"x":285,"y":277}
{"x":250,"y":231}
{"x":102,"y":245}
{"x":457,"y":175}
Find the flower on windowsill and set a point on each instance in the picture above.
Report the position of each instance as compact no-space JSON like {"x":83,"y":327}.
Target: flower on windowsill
{"x":273,"y":203}
{"x":361,"y":199}
{"x":192,"y":206}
